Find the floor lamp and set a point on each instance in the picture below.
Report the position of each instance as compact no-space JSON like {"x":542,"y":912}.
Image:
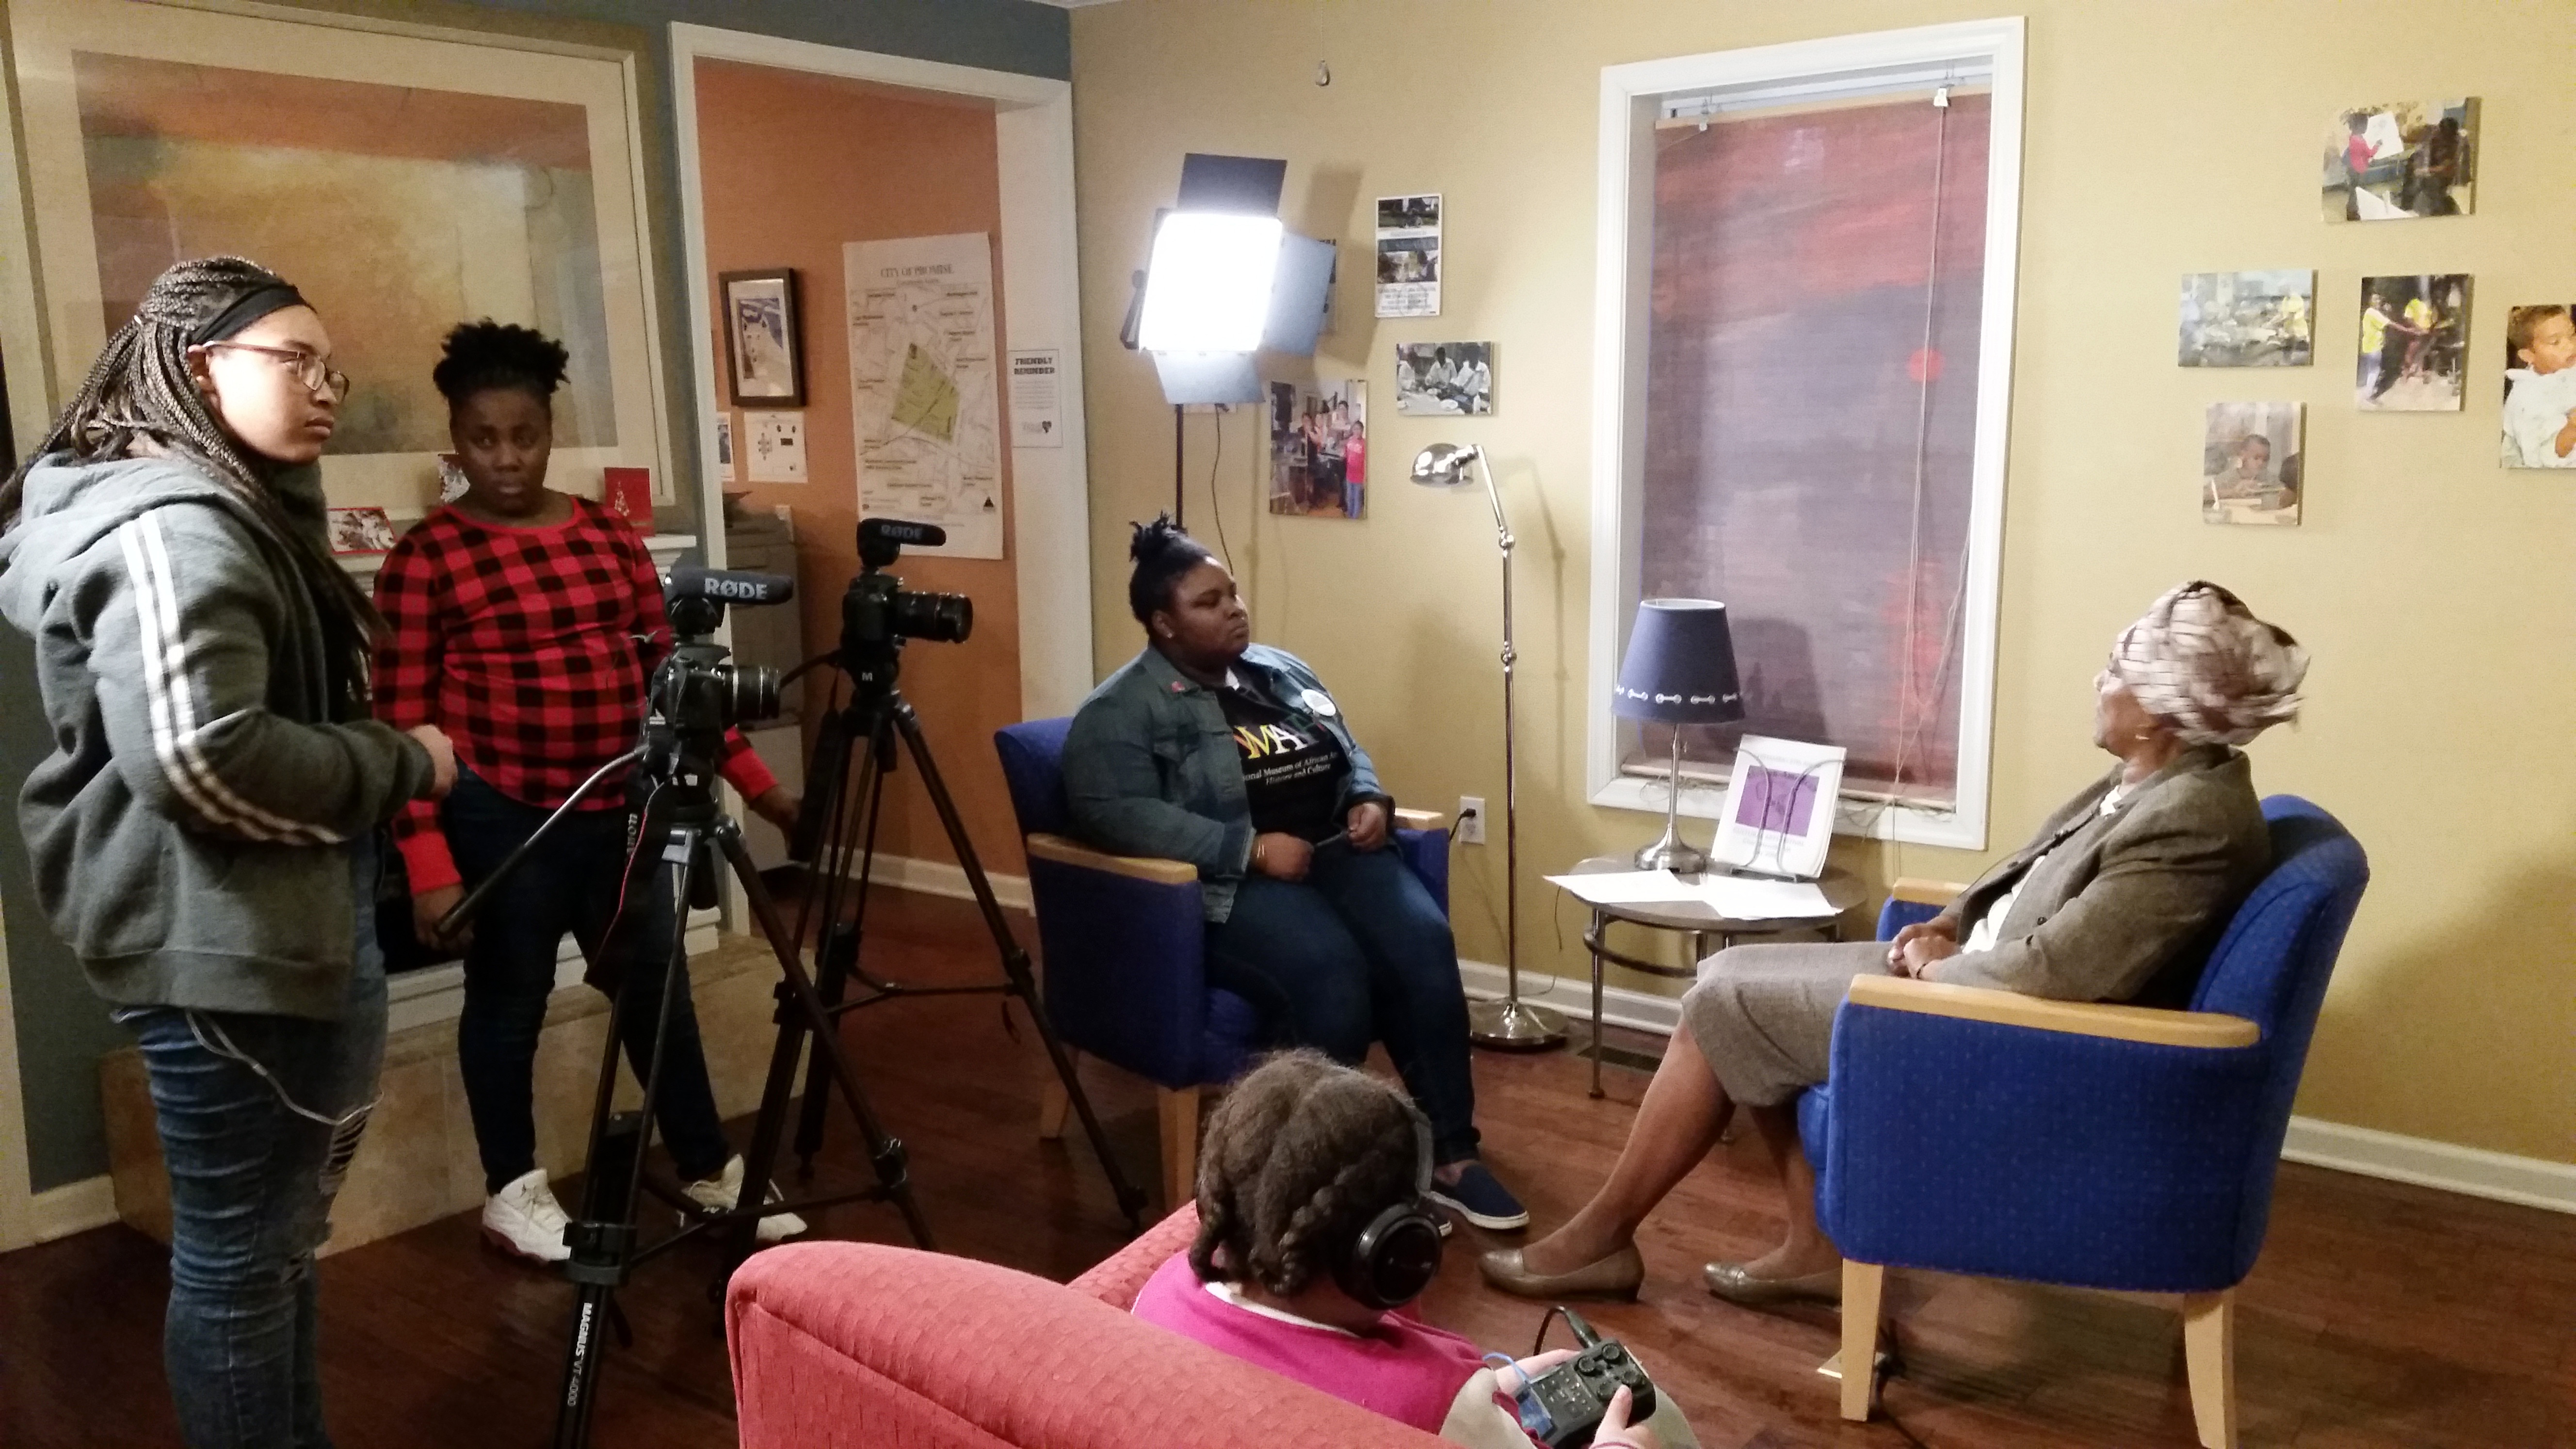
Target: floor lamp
{"x":1510,"y":1023}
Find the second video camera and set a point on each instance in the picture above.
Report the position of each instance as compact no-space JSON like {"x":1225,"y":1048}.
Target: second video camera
{"x":878,"y":612}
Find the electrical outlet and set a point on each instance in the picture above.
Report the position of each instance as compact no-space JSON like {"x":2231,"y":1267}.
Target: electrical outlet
{"x":1471,"y":820}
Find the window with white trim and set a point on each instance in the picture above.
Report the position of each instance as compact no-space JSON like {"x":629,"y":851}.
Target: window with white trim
{"x":1804,"y":337}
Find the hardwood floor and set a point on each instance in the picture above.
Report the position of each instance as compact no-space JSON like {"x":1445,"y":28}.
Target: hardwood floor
{"x":2380,"y":1315}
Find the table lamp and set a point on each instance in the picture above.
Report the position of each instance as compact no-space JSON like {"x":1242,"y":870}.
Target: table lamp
{"x":1510,"y":1024}
{"x":1679,"y":670}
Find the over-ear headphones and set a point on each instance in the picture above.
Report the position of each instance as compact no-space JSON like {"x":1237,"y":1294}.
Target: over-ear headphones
{"x":1397,"y":1255}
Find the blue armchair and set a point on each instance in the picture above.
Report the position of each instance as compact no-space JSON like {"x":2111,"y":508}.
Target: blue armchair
{"x":1122,"y":942}
{"x":2117,"y":1147}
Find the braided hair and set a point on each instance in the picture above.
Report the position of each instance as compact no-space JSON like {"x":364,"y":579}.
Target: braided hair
{"x":1163,"y":552}
{"x":482,"y":356}
{"x":139,"y":396}
{"x":1299,"y":1158}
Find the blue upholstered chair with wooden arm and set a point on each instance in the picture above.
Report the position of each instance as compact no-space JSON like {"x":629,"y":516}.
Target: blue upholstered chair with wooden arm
{"x":2096,"y":1146}
{"x":1122,"y":943}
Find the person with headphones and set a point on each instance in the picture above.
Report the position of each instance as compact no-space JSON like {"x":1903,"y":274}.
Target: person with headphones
{"x":1317,"y":1233}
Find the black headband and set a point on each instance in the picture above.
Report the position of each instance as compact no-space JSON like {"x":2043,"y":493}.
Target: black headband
{"x":246,"y":309}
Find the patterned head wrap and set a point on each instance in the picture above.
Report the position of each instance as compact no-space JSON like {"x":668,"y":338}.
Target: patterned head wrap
{"x":2205,"y":667}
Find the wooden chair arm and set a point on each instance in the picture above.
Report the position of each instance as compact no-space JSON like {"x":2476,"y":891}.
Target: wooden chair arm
{"x":1140,"y":867}
{"x":1421,"y":820}
{"x":1917,"y":890}
{"x":2204,"y":1029}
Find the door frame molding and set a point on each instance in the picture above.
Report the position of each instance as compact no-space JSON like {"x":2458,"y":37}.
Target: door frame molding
{"x":1038,"y":271}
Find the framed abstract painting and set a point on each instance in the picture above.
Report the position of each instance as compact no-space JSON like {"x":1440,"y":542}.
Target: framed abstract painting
{"x":403,"y":182}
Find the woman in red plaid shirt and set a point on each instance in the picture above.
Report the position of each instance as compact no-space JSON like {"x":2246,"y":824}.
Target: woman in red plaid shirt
{"x":514,"y":617}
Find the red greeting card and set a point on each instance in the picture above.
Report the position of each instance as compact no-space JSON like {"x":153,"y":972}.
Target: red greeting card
{"x":628,"y":493}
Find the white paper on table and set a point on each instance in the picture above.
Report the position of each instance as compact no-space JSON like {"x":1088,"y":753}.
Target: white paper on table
{"x":1741,"y":899}
{"x":1627,"y":887}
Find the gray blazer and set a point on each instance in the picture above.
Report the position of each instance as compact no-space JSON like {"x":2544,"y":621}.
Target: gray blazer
{"x":2127,"y":906}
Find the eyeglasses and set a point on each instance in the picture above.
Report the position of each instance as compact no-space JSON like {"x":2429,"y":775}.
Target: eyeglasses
{"x":313,"y":371}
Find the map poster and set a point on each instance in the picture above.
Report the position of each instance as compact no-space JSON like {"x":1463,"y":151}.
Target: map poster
{"x":923,"y":383}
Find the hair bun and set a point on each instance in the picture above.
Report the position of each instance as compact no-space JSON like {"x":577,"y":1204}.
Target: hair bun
{"x":1150,"y":540}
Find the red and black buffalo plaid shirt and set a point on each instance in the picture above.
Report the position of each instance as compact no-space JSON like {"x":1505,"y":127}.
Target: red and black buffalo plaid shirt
{"x":520,"y":643}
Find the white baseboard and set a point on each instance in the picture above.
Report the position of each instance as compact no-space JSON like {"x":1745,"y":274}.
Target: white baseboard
{"x":74,"y":1207}
{"x":939,"y":878}
{"x":2471,"y":1171}
{"x":2530,"y":1181}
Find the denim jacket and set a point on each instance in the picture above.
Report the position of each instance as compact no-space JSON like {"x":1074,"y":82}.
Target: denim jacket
{"x":1151,"y":768}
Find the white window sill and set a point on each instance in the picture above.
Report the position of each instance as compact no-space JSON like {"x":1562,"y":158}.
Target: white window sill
{"x":1866,"y":818}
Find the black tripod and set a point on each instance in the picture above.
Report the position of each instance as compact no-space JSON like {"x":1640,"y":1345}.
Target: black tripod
{"x":680,"y":823}
{"x":876,"y":716}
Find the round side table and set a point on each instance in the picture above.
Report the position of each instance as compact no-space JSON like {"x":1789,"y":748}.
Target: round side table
{"x":1696,"y":921}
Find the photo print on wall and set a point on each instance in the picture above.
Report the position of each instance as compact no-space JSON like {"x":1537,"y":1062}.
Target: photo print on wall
{"x":2250,"y":467}
{"x":1319,"y":449}
{"x":1444,"y":379}
{"x":2405,"y":159}
{"x":2414,"y":343}
{"x":2540,"y":386}
{"x":1408,"y":255}
{"x":2248,"y":319}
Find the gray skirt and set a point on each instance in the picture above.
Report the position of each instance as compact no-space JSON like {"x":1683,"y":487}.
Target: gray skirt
{"x":1763,"y":1016}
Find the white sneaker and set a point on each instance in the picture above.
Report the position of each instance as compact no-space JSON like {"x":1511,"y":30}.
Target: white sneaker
{"x":719,"y":1194}
{"x":524,"y":1220}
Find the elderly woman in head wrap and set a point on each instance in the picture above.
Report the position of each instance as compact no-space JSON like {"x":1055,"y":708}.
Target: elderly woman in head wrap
{"x":2119,"y":897}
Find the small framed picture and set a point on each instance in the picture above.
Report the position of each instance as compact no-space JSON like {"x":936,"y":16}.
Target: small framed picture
{"x":764,"y":351}
{"x":2251,"y":463}
{"x":361,"y":530}
{"x":1779,"y":812}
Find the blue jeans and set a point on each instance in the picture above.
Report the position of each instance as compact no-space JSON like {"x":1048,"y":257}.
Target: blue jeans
{"x":570,"y":885}
{"x":1357,"y":951}
{"x":258,"y":1118}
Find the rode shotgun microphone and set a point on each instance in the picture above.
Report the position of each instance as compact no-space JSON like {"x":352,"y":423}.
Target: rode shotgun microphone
{"x":729,"y":586}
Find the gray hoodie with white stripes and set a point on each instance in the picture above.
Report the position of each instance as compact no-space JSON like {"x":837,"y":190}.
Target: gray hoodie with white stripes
{"x":189,"y":830}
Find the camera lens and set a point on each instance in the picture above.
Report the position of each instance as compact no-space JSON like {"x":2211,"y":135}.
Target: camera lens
{"x":751,"y":693}
{"x":939,"y":618}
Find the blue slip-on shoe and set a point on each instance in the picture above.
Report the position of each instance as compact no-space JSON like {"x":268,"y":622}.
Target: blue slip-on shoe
{"x":1481,"y":1200}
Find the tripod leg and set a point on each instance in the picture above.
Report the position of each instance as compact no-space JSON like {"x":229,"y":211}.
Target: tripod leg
{"x":1015,"y":962}
{"x":801,"y":1012}
{"x":603,"y":1238}
{"x":837,"y":953}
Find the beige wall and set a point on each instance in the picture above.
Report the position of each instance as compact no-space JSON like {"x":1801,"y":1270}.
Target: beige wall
{"x":2435,"y":590}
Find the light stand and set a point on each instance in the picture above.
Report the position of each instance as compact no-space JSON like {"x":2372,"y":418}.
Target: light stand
{"x":1509,"y":1024}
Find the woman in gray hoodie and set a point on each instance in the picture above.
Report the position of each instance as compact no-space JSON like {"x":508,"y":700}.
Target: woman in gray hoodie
{"x":204,"y":834}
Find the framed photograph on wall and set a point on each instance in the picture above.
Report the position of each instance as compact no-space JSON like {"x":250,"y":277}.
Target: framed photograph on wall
{"x":764,"y":352}
{"x":464,"y":179}
{"x":1779,"y":812}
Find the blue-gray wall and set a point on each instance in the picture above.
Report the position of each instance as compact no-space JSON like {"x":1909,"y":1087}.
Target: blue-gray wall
{"x":62,"y":1030}
{"x":1013,"y":35}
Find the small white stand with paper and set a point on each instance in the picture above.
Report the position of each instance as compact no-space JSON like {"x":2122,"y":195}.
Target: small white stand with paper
{"x":1779,"y":813}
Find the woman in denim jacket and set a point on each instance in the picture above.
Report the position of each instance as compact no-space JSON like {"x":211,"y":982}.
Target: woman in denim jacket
{"x":1211,"y":749}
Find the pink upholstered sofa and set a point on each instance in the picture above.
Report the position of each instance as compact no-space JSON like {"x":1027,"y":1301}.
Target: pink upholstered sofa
{"x":855,"y":1344}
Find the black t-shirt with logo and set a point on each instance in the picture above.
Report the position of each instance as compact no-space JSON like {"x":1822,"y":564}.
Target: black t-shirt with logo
{"x":1294,"y":771}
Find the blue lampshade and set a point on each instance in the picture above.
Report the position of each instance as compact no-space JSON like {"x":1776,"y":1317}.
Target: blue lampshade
{"x":1680,"y":665}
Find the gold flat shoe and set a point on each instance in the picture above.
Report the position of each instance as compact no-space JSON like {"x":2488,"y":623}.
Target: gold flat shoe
{"x":1617,"y":1275}
{"x":1730,"y":1282}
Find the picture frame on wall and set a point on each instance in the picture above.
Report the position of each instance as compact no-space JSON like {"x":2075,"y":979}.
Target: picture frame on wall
{"x":764,"y":345}
{"x":515,"y":194}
